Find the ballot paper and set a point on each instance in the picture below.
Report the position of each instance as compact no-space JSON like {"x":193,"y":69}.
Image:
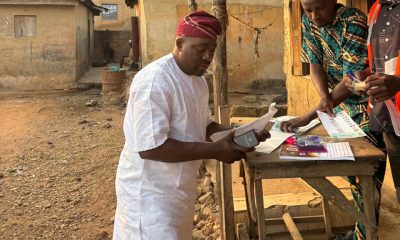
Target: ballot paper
{"x":340,"y":126}
{"x":278,"y":137}
{"x":258,"y":125}
{"x":394,"y":116}
{"x":335,"y":151}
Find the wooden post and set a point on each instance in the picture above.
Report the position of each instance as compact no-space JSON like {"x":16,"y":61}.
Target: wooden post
{"x":224,"y":187}
{"x":291,"y":226}
{"x":220,"y":85}
{"x":327,"y":218}
{"x":258,"y":191}
{"x":298,"y":68}
{"x":192,"y":5}
{"x":220,"y":74}
{"x":368,"y":188}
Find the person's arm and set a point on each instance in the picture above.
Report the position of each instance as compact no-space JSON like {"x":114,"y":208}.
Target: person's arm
{"x":338,"y":95}
{"x":173,"y":151}
{"x":320,"y":80}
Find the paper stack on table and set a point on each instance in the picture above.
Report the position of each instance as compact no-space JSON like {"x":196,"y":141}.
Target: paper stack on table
{"x":340,"y":126}
{"x":335,"y":151}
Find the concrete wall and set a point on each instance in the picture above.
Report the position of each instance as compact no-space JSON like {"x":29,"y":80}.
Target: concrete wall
{"x":243,"y":67}
{"x":44,"y":61}
{"x":83,"y":39}
{"x":124,"y":17}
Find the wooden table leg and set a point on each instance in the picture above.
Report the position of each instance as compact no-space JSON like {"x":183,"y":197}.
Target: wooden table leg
{"x":225,"y":187}
{"x":248,"y":182}
{"x":260,"y":209}
{"x":291,"y":226}
{"x":327,"y":218}
{"x":368,"y":188}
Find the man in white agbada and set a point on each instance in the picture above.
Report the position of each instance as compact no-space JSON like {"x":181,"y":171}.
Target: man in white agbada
{"x":166,"y":126}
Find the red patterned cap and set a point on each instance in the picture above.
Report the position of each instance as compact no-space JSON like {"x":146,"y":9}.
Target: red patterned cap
{"x":199,"y":24}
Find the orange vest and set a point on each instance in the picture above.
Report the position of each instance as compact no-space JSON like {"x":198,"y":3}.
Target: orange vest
{"x":372,"y":17}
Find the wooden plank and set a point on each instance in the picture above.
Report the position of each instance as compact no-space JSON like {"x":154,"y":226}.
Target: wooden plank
{"x":318,"y":224}
{"x":329,"y":191}
{"x":260,"y":209}
{"x":368,"y":189}
{"x":327,"y":218}
{"x":299,"y":68}
{"x":272,"y":171}
{"x":225,"y":187}
{"x":297,"y":220}
{"x":271,"y":213}
{"x":291,"y":226}
{"x":248,"y":182}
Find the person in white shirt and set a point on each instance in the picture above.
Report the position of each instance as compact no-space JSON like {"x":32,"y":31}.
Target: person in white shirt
{"x":166,"y":127}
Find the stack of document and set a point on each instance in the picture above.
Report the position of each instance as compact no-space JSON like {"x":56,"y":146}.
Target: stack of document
{"x":335,"y":151}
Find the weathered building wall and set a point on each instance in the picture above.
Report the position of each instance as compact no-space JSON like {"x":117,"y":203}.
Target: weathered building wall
{"x":158,"y":20}
{"x":44,"y":61}
{"x":244,"y":68}
{"x":119,"y":41}
{"x":83,"y":39}
{"x":123,"y":23}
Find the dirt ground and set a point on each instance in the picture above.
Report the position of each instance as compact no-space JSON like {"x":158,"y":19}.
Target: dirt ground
{"x":58,"y":159}
{"x":57,"y":167}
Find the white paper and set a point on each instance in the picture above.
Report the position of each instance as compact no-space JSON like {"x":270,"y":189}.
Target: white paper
{"x":335,"y":151}
{"x":340,"y":126}
{"x":258,"y":125}
{"x":272,"y":143}
{"x":394,"y":116}
{"x":278,"y":137}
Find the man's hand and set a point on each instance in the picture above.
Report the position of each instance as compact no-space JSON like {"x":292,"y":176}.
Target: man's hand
{"x":291,"y":125}
{"x":326,"y":105}
{"x":228,"y":151}
{"x":381,"y":86}
{"x":263,"y":135}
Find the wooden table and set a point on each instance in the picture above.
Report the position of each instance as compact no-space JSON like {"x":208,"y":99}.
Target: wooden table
{"x":260,"y":166}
